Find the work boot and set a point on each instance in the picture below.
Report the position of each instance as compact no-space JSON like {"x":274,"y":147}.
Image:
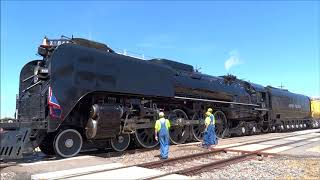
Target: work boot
{"x":205,"y":146}
{"x":163,"y":158}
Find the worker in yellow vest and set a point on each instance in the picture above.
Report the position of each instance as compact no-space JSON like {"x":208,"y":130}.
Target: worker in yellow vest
{"x":209,"y":137}
{"x":162,"y":134}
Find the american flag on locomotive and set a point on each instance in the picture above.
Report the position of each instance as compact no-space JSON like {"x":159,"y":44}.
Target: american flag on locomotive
{"x":54,"y":106}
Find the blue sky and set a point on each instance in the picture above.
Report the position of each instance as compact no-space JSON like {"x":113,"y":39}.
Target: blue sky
{"x":268,"y":43}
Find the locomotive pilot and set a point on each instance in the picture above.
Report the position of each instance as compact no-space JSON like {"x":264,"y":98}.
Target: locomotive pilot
{"x":209,"y":137}
{"x":162,"y":131}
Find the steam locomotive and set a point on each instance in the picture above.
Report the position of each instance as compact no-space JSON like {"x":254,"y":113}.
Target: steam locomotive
{"x":82,"y":92}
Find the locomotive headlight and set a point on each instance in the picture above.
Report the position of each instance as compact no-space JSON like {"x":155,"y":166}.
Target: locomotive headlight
{"x":41,"y":73}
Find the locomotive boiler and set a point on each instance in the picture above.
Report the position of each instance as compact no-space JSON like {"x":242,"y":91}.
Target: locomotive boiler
{"x":84,"y":92}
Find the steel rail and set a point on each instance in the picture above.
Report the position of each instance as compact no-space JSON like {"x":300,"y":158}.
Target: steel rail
{"x":160,"y":162}
{"x":224,"y":162}
{"x":266,"y":153}
{"x":216,"y":150}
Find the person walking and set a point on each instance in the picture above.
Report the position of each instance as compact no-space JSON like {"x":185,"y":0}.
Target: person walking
{"x":161,"y":132}
{"x":209,"y":137}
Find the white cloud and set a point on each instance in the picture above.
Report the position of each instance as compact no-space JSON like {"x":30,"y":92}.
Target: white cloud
{"x":233,"y":60}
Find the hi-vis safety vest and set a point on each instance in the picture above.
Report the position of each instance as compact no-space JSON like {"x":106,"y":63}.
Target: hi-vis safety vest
{"x":158,"y":124}
{"x":210,"y":120}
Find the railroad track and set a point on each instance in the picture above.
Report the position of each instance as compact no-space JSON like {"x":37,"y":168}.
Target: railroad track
{"x":101,"y":153}
{"x":36,"y":157}
{"x":4,"y":165}
{"x":190,"y":170}
{"x":215,"y":164}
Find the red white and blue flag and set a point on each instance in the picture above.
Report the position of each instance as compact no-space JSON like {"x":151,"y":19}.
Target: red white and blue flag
{"x":54,"y":106}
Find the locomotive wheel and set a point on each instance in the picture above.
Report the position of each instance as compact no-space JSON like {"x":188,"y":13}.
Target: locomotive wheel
{"x":145,"y":138}
{"x":46,"y":145}
{"x":221,"y":124}
{"x":178,"y":133}
{"x":120,"y":142}
{"x":68,"y":143}
{"x":264,"y":129}
{"x":198,"y":129}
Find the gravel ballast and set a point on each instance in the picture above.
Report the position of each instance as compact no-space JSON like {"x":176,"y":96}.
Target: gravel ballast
{"x":278,"y":167}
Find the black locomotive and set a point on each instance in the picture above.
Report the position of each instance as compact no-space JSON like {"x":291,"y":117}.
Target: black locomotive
{"x":84,"y":92}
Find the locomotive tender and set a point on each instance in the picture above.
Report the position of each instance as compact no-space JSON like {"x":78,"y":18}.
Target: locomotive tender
{"x":84,"y":92}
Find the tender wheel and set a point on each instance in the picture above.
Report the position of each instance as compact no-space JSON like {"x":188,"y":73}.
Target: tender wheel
{"x":46,"y":145}
{"x":292,"y":125}
{"x":198,"y":129}
{"x":179,"y":132}
{"x":254,"y":130}
{"x":145,"y":138}
{"x":68,"y":143}
{"x":281,"y":127}
{"x":120,"y":142}
{"x":221,"y":124}
{"x":243,"y":130}
{"x":287,"y":126}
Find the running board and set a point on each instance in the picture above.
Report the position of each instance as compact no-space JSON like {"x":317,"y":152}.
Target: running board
{"x":217,"y":101}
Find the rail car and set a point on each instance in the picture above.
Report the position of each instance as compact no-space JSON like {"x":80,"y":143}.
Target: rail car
{"x":82,"y":91}
{"x":315,"y":112}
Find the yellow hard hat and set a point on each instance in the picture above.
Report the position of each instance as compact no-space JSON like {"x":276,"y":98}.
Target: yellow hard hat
{"x":210,"y":110}
{"x":161,"y":114}
{"x":208,"y":113}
